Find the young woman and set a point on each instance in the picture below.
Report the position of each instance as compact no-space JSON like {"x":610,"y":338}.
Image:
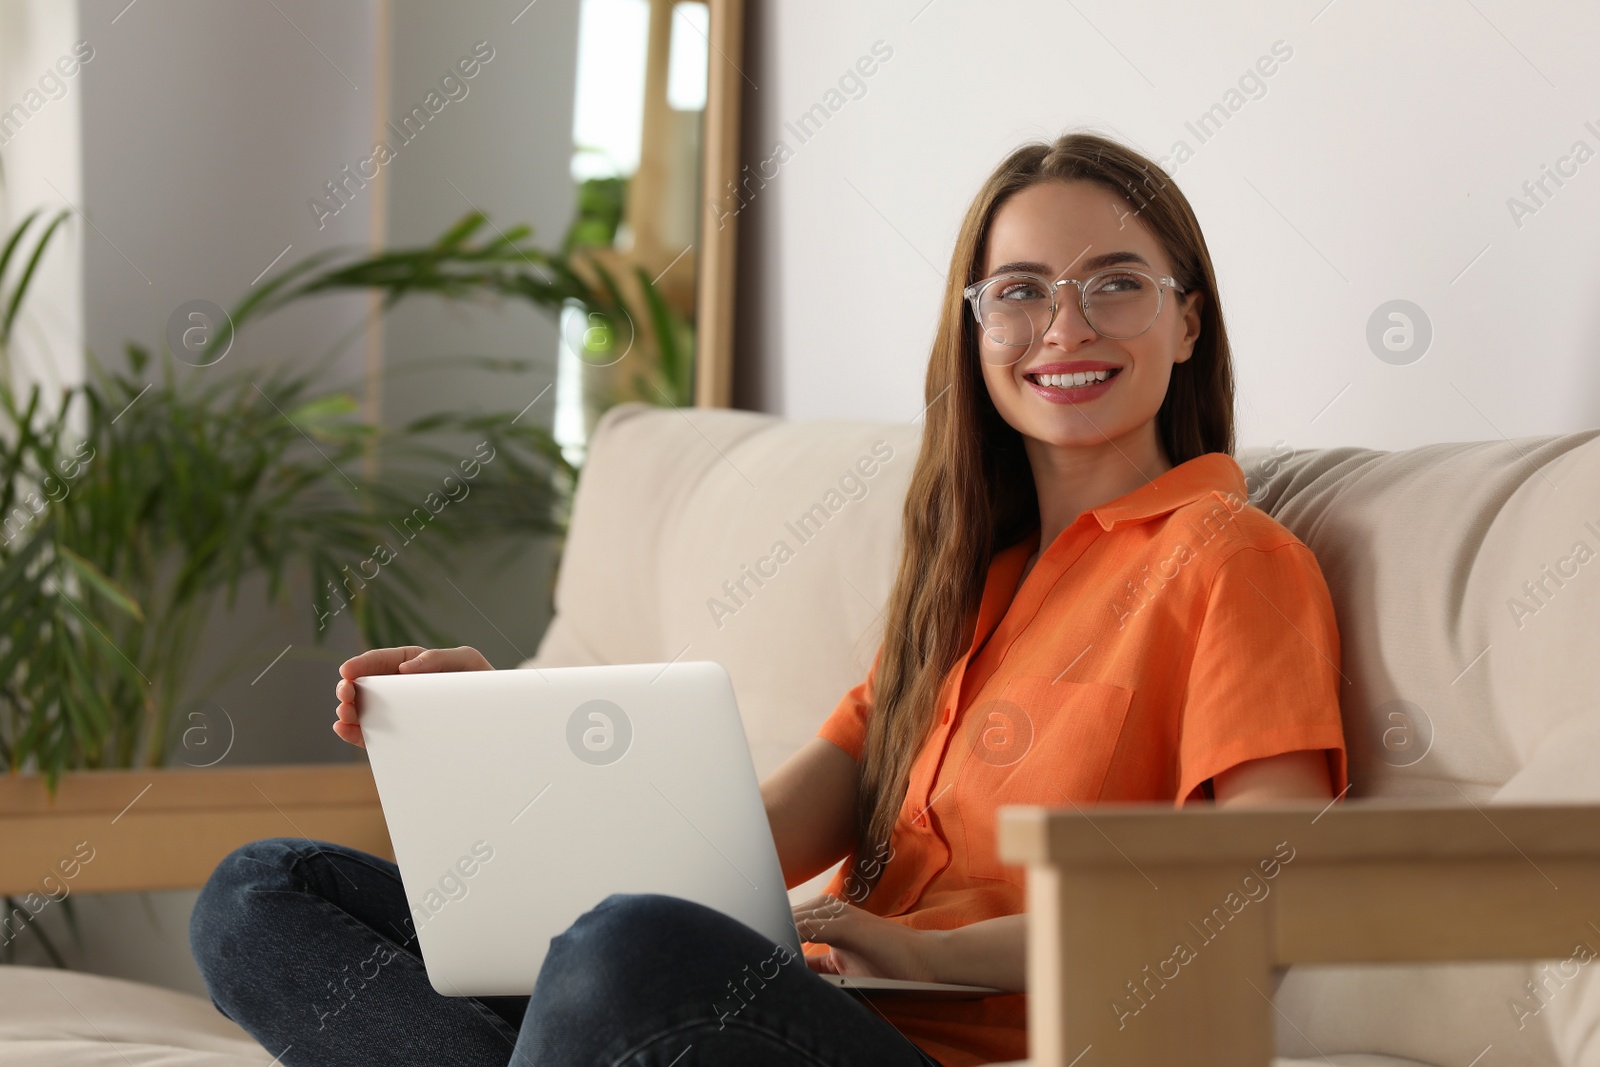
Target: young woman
{"x":1087,"y":609}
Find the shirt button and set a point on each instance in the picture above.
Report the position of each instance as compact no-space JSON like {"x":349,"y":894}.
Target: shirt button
{"x":946,"y":714}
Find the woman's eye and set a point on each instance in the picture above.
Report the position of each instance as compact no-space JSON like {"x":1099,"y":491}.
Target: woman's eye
{"x":1021,"y":291}
{"x":1120,"y":283}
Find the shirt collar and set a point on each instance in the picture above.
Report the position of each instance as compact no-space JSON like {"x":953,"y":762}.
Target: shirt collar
{"x":1212,"y":472}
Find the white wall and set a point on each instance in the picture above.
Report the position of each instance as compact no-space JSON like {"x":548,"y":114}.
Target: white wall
{"x":505,"y":148}
{"x":40,"y":129}
{"x":207,"y":126}
{"x":1377,"y":165}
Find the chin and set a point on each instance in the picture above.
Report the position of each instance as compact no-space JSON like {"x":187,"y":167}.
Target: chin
{"x":1070,"y":429}
{"x":1091,"y":439}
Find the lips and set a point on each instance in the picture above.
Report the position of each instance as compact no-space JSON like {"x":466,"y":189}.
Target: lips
{"x":1071,"y":383}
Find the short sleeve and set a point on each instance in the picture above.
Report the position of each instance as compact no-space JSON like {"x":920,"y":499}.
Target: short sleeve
{"x":847,"y":725}
{"x":1265,"y":676}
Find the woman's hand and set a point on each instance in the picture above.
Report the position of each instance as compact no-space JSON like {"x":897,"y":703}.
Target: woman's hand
{"x":991,"y":952}
{"x":861,"y":943}
{"x":409,"y":659}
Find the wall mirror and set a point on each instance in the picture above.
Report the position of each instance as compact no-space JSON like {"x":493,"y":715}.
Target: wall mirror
{"x":655,"y":145}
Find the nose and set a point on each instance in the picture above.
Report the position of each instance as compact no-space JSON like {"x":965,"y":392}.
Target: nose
{"x":1069,"y":330}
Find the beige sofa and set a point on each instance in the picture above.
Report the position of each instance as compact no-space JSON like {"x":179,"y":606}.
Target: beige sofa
{"x":1455,"y":694}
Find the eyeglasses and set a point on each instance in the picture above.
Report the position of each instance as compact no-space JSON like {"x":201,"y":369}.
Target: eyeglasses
{"x":1014,"y":310}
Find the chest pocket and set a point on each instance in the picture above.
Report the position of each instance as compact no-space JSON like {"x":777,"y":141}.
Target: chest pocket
{"x":1040,"y":742}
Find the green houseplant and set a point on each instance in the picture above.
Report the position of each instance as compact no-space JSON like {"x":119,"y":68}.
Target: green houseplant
{"x":119,"y":540}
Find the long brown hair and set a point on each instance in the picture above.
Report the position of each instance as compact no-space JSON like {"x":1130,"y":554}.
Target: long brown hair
{"x":972,"y":492}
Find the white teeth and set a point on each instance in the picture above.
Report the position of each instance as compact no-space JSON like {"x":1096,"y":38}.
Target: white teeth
{"x":1062,"y":381}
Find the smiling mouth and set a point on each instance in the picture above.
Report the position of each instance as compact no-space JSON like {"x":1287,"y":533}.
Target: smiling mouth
{"x":1072,"y":381}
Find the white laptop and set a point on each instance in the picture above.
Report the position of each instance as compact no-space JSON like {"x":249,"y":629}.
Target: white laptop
{"x":518,"y":799}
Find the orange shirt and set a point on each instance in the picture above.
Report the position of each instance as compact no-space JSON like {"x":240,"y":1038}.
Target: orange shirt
{"x":1161,"y":639}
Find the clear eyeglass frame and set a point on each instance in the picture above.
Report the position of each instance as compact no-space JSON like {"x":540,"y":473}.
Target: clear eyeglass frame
{"x":974,"y":295}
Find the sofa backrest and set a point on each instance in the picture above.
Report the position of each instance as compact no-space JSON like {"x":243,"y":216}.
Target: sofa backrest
{"x":1466,"y":578}
{"x":765,"y":545}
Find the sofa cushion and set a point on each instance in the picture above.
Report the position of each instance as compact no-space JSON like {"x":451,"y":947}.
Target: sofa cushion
{"x":55,"y":1018}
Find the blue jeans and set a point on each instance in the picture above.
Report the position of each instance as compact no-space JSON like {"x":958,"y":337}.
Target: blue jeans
{"x":309,"y":947}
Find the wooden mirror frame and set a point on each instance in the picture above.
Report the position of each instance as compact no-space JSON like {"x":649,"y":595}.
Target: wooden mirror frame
{"x":715,"y":290}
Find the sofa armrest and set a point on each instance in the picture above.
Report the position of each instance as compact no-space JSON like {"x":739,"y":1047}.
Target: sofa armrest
{"x":1158,"y":935}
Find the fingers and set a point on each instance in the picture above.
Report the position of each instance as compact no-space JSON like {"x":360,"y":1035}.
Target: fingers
{"x":406,"y":659}
{"x":374,"y":661}
{"x":823,"y":904}
{"x":823,"y":963}
{"x":345,"y":724}
{"x":379,"y":661}
{"x":411,"y":659}
{"x":346,"y":711}
{"x":461,"y":658}
{"x":349,"y":731}
{"x":813,"y":917}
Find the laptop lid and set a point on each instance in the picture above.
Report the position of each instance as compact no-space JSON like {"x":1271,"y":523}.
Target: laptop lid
{"x":533,"y":794}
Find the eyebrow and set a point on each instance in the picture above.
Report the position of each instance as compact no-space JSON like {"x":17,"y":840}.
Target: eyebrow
{"x":1093,"y":263}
